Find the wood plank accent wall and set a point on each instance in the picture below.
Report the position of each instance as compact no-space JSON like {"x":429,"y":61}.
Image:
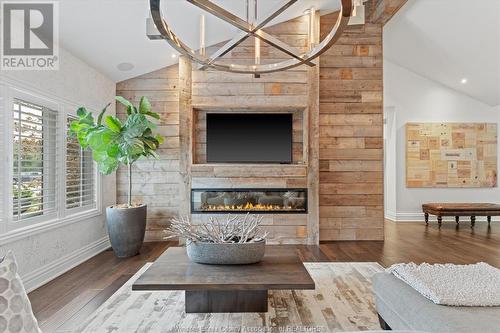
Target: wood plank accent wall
{"x":278,"y":92}
{"x":185,"y":134}
{"x":155,"y":182}
{"x":312,"y":148}
{"x":381,"y":11}
{"x":342,"y":163}
{"x":351,"y":142}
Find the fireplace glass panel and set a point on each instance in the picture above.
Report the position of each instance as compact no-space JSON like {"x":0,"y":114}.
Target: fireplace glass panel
{"x":249,"y":201}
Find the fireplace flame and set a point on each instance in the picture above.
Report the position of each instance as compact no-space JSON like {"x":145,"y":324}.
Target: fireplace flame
{"x":249,"y":207}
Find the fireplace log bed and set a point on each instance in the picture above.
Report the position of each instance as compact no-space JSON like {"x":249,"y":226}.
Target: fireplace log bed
{"x":261,"y":201}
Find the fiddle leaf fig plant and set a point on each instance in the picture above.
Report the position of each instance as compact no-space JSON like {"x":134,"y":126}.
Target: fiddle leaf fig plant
{"x":114,"y":142}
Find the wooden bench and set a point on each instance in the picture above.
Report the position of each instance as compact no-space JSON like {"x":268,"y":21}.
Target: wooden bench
{"x":460,"y":209}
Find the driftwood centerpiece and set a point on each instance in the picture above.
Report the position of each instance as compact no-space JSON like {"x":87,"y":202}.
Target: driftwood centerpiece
{"x":236,"y":241}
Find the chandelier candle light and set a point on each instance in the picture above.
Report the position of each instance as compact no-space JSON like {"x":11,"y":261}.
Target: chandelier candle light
{"x":157,"y":28}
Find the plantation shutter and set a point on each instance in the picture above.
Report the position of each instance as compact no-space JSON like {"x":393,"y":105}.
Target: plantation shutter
{"x":35,"y":171}
{"x":80,"y":174}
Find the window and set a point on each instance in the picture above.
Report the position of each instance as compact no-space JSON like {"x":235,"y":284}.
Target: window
{"x":53,"y":180}
{"x":80,"y":174}
{"x":34,"y":184}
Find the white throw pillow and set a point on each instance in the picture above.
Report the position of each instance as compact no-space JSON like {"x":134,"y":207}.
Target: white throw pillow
{"x":15,"y":307}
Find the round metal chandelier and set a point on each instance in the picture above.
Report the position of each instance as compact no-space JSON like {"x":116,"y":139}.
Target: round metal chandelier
{"x":248,"y":29}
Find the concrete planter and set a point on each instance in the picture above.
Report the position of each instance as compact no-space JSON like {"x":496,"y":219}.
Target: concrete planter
{"x":126,"y":228}
{"x":226,"y":254}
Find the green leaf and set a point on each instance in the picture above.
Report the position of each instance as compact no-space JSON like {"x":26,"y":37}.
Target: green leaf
{"x":123,"y":101}
{"x":81,"y":112}
{"x":153,"y":154}
{"x":150,"y":125}
{"x":87,"y":119}
{"x":144,"y":105}
{"x":135,"y":126}
{"x":99,"y":118}
{"x":100,"y":139}
{"x":151,"y":143}
{"x":100,"y":155}
{"x":123,"y":158}
{"x":113,"y":151}
{"x":130,"y":107}
{"x":82,"y":139}
{"x":75,"y":127}
{"x":152,"y":114}
{"x":159,"y":138}
{"x":108,"y":166}
{"x":114,"y":124}
{"x":148,"y":132}
{"x":133,"y":146}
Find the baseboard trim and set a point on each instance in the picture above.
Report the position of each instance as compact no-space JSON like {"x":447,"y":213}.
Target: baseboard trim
{"x":390,"y":215}
{"x":50,"y":271}
{"x":419,"y":217}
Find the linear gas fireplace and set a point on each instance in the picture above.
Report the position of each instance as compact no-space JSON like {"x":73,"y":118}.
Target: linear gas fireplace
{"x":261,"y":201}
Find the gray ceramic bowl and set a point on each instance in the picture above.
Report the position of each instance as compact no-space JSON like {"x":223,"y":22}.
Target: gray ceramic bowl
{"x":226,"y":254}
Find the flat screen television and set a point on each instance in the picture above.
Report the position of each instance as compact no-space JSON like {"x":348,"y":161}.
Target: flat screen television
{"x":249,"y":138}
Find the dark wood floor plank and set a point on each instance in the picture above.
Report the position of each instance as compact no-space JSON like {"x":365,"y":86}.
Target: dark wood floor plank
{"x":72,"y":307}
{"x":311,"y":253}
{"x":62,"y":304}
{"x":75,"y":321}
{"x":94,"y":275}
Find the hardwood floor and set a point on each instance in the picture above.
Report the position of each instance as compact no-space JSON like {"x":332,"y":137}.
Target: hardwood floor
{"x":415,"y":242}
{"x":62,"y":304}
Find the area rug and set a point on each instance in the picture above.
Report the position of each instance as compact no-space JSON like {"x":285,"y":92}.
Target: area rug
{"x":341,"y":302}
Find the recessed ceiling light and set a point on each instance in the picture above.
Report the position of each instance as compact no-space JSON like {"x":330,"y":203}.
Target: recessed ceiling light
{"x":174,"y":55}
{"x":125,"y":66}
{"x":463,"y":81}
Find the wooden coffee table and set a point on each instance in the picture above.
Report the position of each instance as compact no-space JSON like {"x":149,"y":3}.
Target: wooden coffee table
{"x":226,"y":288}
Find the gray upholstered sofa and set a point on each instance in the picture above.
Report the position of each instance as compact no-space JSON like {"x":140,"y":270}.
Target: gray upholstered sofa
{"x":400,"y":307}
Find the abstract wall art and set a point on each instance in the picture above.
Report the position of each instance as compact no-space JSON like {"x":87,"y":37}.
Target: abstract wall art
{"x":451,"y":155}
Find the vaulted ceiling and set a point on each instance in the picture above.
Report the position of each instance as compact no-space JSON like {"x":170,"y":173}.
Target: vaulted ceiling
{"x":443,"y":40}
{"x":106,"y":33}
{"x":449,"y":41}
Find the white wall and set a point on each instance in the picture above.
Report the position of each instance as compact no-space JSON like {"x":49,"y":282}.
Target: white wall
{"x":446,"y":40}
{"x":390,"y":162}
{"x":417,"y":99}
{"x":43,"y":251}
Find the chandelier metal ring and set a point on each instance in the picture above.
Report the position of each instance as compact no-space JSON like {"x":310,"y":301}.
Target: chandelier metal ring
{"x":248,"y":30}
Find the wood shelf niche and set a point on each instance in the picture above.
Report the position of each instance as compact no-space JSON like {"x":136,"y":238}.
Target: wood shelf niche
{"x":249,"y":175}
